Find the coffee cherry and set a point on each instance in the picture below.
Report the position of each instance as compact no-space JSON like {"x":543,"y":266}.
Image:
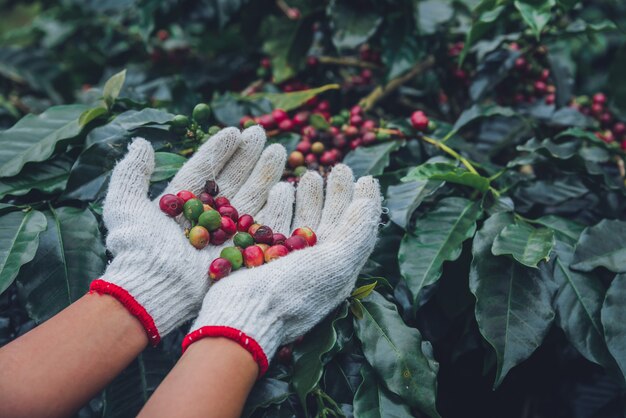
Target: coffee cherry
{"x":521,"y":64}
{"x":264,"y":235}
{"x":263,"y":247}
{"x":599,"y":98}
{"x":162,"y":34}
{"x":274,"y":252}
{"x":253,"y":228}
{"x":311,"y":61}
{"x":211,"y":187}
{"x":180,"y":121}
{"x":218,"y":237}
{"x":219,"y":268}
{"x":295,"y":242}
{"x":550,"y":99}
{"x":232,"y":254}
{"x":285,"y":355}
{"x":207,"y":199}
{"x":192,"y":209}
{"x":279,"y":115}
{"x":243,"y":239}
{"x":419,"y":120}
{"x":172,"y":205}
{"x":213,"y":130}
{"x":228,"y":226}
{"x":324,"y":106}
{"x":339,"y":141}
{"x":619,"y":129}
{"x":286,"y":126}
{"x":317,"y":148}
{"x":327,"y":158}
{"x":310,"y":159}
{"x":279,"y":238}
{"x":201,"y":113}
{"x":186,"y":195}
{"x":356,"y":120}
{"x":221,"y":201}
{"x":295,"y":159}
{"x":244,"y":223}
{"x":210,"y":219}
{"x":265,"y":63}
{"x":540,"y":87}
{"x":207,"y":207}
{"x":306,"y":233}
{"x":199,"y":237}
{"x":253,"y":256}
{"x":368,"y":125}
{"x":267,"y":122}
{"x":350,"y":130}
{"x":300,"y":118}
{"x":597,"y":109}
{"x":355,"y":143}
{"x":229,"y":211}
{"x":303,"y":147}
{"x":369,"y":138}
{"x":299,"y":171}
{"x":249,"y":123}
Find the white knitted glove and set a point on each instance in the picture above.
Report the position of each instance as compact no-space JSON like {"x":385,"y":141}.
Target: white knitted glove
{"x":156,"y":273}
{"x":264,"y":307}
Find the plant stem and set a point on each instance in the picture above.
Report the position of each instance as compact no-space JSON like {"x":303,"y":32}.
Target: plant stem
{"x":450,"y":152}
{"x":380,"y":93}
{"x":347,"y":62}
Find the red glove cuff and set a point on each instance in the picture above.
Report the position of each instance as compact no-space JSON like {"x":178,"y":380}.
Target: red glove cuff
{"x":131,"y":304}
{"x":248,"y":343}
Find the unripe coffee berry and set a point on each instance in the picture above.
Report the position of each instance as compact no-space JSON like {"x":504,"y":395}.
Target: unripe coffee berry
{"x":296,"y":159}
{"x":186,"y":195}
{"x":244,"y":223}
{"x":180,"y":121}
{"x":253,"y":229}
{"x":211,"y":220}
{"x":218,"y":237}
{"x":211,"y":188}
{"x":201,"y":113}
{"x":274,"y":252}
{"x":299,"y":171}
{"x":253,"y":256}
{"x":199,"y":237}
{"x":193,"y":209}
{"x":317,"y":148}
{"x":306,"y":233}
{"x":207,"y":207}
{"x":264,"y":235}
{"x":243,"y":240}
{"x":229,"y":211}
{"x":295,"y":242}
{"x":233,"y":254}
{"x":219,"y":268}
{"x":228,"y":226}
{"x":221,"y":201}
{"x":172,"y":205}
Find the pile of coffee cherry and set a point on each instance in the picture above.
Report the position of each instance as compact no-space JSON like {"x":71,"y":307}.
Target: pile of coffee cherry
{"x":214,"y":220}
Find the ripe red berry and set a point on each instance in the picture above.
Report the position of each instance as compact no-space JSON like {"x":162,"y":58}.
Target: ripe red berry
{"x":267,"y":121}
{"x":356,"y":120}
{"x":623,"y":145}
{"x":419,"y":120}
{"x":350,"y":130}
{"x":163,"y":35}
{"x":218,"y":237}
{"x":356,"y":110}
{"x":545,"y":74}
{"x":599,"y":98}
{"x":229,"y":211}
{"x":597,"y":109}
{"x":306,"y":233}
{"x":244,"y":223}
{"x":550,"y":99}
{"x":310,"y":159}
{"x":295,"y":242}
{"x":327,"y":158}
{"x":323,"y":106}
{"x":520,"y":64}
{"x":301,"y":118}
{"x":279,"y":238}
{"x":540,"y":87}
{"x":304,"y":147}
{"x":221,"y":201}
{"x":460,"y":74}
{"x":253,"y":256}
{"x":186,"y":195}
{"x":296,"y":159}
{"x":171,"y":205}
{"x":606,"y":118}
{"x":199,"y":237}
{"x":264,"y":235}
{"x":355,"y":143}
{"x":228,"y":226}
{"x":339,"y":141}
{"x":279,"y":115}
{"x":274,"y":252}
{"x":366,"y":74}
{"x":369,"y":138}
{"x":219,"y":268}
{"x":309,"y":131}
{"x":619,"y":129}
{"x":286,"y":125}
{"x":266,"y":63}
{"x":293,"y":13}
{"x":368,"y":125}
{"x":311,"y":61}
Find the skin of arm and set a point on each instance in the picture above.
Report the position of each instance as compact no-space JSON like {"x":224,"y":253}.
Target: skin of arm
{"x":57,"y":367}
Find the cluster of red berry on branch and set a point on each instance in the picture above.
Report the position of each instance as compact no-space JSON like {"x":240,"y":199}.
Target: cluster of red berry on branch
{"x":611,"y":130}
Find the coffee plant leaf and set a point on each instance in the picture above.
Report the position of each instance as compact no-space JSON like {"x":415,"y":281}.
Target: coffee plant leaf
{"x":404,"y":198}
{"x":352,"y":24}
{"x":371,"y":160}
{"x":478,"y":112}
{"x":35,"y":137}
{"x":564,"y":229}
{"x":166,"y":165}
{"x":614,"y":320}
{"x":19,"y":232}
{"x":513,"y":304}
{"x":342,"y":376}
{"x":437,"y":237}
{"x":266,"y":392}
{"x":448,"y":172}
{"x":92,"y":114}
{"x":112,"y":88}
{"x":489,"y":14}
{"x":430,"y":14}
{"x":70,"y":255}
{"x":536,"y":14}
{"x":47,"y":177}
{"x":401,"y":51}
{"x":527,"y":245}
{"x":397,"y":353}
{"x":292,"y":100}
{"x":374,"y":401}
{"x":602,"y":245}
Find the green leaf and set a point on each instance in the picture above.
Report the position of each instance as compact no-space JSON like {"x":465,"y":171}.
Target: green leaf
{"x":70,"y":255}
{"x":480,"y":111}
{"x":513,"y":302}
{"x":130,"y":390}
{"x":308,"y":365}
{"x":565,"y":230}
{"x":526,"y":244}
{"x":265,"y":392}
{"x":602,"y":245}
{"x":400,"y":47}
{"x":352,"y":23}
{"x":36,"y":137}
{"x":319,"y":122}
{"x":536,"y":13}
{"x":166,"y":166}
{"x":371,"y":160}
{"x":577,"y":304}
{"x":404,"y":198}
{"x":449,"y":173}
{"x":374,"y":401}
{"x":47,"y":177}
{"x":401,"y":359}
{"x":112,"y":88}
{"x":92,"y":114}
{"x":363,"y":291}
{"x":436,"y":238}
{"x":286,"y":42}
{"x":19,"y":232}
{"x":481,"y":26}
{"x":292,"y":100}
{"x":430,"y":14}
{"x":614,"y":320}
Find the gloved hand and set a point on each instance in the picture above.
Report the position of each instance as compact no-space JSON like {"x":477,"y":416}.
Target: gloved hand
{"x":156,"y":273}
{"x":264,"y":307}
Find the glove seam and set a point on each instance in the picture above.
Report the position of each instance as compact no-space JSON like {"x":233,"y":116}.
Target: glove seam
{"x":246,"y":342}
{"x":132,"y":306}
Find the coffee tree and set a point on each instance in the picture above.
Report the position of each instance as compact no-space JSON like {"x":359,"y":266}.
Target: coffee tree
{"x":496,"y":129}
